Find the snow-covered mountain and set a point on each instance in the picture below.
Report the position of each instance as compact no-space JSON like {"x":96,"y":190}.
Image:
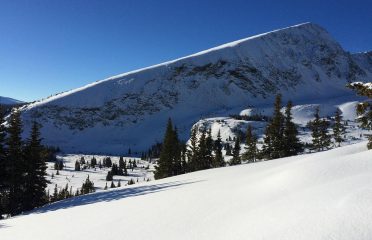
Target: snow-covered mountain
{"x":302,"y":62}
{"x":325,"y":195}
{"x":9,"y":101}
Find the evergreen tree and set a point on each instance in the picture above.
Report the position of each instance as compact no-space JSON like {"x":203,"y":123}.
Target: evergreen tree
{"x":319,"y":127}
{"x":3,"y":166}
{"x":77,"y":166}
{"x":16,"y":164}
{"x":112,"y":185}
{"x":109,"y":176}
{"x":202,"y":154}
{"x":292,"y":145}
{"x":87,"y":187}
{"x":314,"y":126}
{"x":93,"y":162}
{"x":273,"y":141}
{"x":251,"y":149}
{"x":193,"y":150}
{"x":218,"y":160}
{"x":209,"y":144}
{"x":55,"y":194}
{"x":170,"y":158}
{"x":114,"y":169}
{"x":339,"y":129}
{"x":364,"y":109}
{"x":228,"y":149}
{"x":82,"y":160}
{"x":35,"y":179}
{"x":121,"y":163}
{"x":325,"y":137}
{"x":119,"y":183}
{"x":236,"y":153}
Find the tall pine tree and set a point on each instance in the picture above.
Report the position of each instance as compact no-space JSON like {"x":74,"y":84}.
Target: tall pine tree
{"x":3,"y":166}
{"x":292,"y":145}
{"x":169,"y":163}
{"x":251,"y":146}
{"x":339,"y":129}
{"x":236,"y":153}
{"x":273,"y":140}
{"x":36,"y":182}
{"x":218,"y":160}
{"x":319,"y":128}
{"x":16,"y":163}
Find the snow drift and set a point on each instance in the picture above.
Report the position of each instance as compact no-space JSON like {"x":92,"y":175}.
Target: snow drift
{"x":325,"y":195}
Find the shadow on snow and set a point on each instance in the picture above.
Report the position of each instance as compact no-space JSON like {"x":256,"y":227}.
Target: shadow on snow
{"x":109,"y":195}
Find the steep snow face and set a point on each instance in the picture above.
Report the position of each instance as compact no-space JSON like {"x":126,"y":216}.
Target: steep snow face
{"x":325,"y":195}
{"x":302,"y":62}
{"x":9,"y":101}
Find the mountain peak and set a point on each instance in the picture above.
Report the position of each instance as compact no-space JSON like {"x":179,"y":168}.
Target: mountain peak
{"x":302,"y":62}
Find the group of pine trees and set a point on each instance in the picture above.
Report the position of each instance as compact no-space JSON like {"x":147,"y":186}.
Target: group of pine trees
{"x":178,"y":158}
{"x":280,"y":140}
{"x":22,"y":167}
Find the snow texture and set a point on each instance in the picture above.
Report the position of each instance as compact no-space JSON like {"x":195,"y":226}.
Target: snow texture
{"x":324,"y":195}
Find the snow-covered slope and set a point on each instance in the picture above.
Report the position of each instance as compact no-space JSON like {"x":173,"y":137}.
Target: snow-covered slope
{"x":325,"y":195}
{"x":302,"y":62}
{"x":9,"y":101}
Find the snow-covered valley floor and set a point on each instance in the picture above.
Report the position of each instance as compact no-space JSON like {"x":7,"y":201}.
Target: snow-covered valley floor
{"x":325,"y":195}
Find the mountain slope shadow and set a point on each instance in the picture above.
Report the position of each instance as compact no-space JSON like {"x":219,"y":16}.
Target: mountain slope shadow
{"x":107,"y":196}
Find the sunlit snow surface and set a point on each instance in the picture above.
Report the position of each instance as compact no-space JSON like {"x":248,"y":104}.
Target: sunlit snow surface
{"x":325,"y":195}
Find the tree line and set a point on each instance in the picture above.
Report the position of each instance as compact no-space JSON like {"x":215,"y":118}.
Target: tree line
{"x":22,"y":167}
{"x":281,"y":139}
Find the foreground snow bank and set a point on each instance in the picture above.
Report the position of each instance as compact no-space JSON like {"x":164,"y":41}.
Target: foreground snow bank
{"x":325,"y":195}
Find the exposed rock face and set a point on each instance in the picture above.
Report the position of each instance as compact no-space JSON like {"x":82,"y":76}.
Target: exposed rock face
{"x":302,"y":62}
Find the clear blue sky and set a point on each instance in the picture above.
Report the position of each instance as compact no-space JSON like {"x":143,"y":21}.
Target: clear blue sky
{"x":49,"y":46}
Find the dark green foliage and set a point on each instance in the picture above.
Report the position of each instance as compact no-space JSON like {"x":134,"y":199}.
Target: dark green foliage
{"x":58,"y":165}
{"x":251,"y":146}
{"x":292,"y":145}
{"x":169,"y":163}
{"x":119,"y":183}
{"x":273,"y":141}
{"x":236,"y":153}
{"x":339,"y":129}
{"x":107,"y":162}
{"x":319,"y":127}
{"x":35,"y":179}
{"x":77,"y":166}
{"x":192,"y":152}
{"x":228,"y":149}
{"x":114,"y":169}
{"x":16,"y":164}
{"x":364,"y":109}
{"x":218,"y":159}
{"x":93,"y":162}
{"x":87,"y":187}
{"x":82,"y":160}
{"x":281,"y":134}
{"x":121,"y":163}
{"x":109,"y":176}
{"x":112,"y":185}
{"x":3,"y":166}
{"x":131,"y":182}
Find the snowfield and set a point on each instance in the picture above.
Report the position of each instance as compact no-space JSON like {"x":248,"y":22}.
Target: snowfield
{"x":303,"y":62}
{"x":325,"y":195}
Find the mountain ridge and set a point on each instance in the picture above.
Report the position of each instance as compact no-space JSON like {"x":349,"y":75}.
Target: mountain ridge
{"x":303,"y":62}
